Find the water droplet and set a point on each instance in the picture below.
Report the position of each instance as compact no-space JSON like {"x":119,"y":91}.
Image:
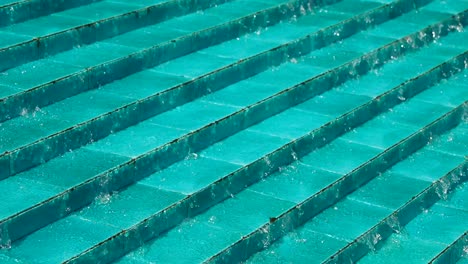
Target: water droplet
{"x":5,"y":241}
{"x":24,"y":112}
{"x":372,"y":240}
{"x":394,"y":223}
{"x":442,"y":188}
{"x":295,"y":156}
{"x":104,"y":198}
{"x":192,"y":156}
{"x":303,"y":10}
{"x":212,"y":219}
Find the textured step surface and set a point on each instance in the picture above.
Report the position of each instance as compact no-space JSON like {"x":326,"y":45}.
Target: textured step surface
{"x":229,"y":131}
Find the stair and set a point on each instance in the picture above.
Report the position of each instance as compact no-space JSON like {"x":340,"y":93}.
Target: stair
{"x":232,"y":131}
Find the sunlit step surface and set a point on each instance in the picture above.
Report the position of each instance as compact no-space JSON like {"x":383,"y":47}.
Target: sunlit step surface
{"x":227,"y":131}
{"x":176,"y":89}
{"x":15,"y":11}
{"x":91,"y":66}
{"x":223,"y":216}
{"x":424,"y":237}
{"x":82,"y":24}
{"x":101,"y":148}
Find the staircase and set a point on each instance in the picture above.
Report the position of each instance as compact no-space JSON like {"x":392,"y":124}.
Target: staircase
{"x":233,"y":131}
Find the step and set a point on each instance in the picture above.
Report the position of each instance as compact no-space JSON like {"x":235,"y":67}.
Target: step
{"x":122,"y":168}
{"x":28,"y":92}
{"x":263,"y":207}
{"x":390,"y":200}
{"x":423,"y":238}
{"x":410,"y":207}
{"x":15,"y":11}
{"x":105,"y":210}
{"x":343,"y":92}
{"x":57,"y":31}
{"x":266,"y":234}
{"x":196,"y":197}
{"x":123,"y":105}
{"x":123,"y":116}
{"x":454,"y":252}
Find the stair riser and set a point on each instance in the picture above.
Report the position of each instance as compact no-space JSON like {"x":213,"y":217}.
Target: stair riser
{"x":25,"y":10}
{"x":136,"y":112}
{"x":297,"y":216}
{"x":237,"y":181}
{"x":402,"y":216}
{"x":44,"y":46}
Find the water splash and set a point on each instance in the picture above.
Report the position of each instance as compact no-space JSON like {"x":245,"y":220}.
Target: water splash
{"x":5,"y":241}
{"x":103,"y":198}
{"x":295,"y":156}
{"x":24,"y":112}
{"x":192,"y":156}
{"x":37,"y":110}
{"x":401,"y":96}
{"x":394,"y":223}
{"x":212,"y":219}
{"x":297,"y":238}
{"x":372,"y":240}
{"x":303,"y":10}
{"x":442,"y":188}
{"x":266,"y":241}
{"x":455,"y":177}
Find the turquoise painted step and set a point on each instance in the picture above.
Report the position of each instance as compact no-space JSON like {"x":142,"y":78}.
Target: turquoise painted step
{"x":125,"y":111}
{"x":15,"y":11}
{"x":395,"y":222}
{"x":56,"y":205}
{"x":118,"y":171}
{"x":99,"y":213}
{"x":269,"y":232}
{"x":27,"y":93}
{"x":229,"y":228}
{"x":423,"y":238}
{"x":64,"y":125}
{"x":374,"y":194}
{"x":42,"y":94}
{"x":114,"y":237}
{"x":95,"y":134}
{"x":390,"y":200}
{"x":454,"y":252}
{"x":41,"y":37}
{"x":416,"y":203}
